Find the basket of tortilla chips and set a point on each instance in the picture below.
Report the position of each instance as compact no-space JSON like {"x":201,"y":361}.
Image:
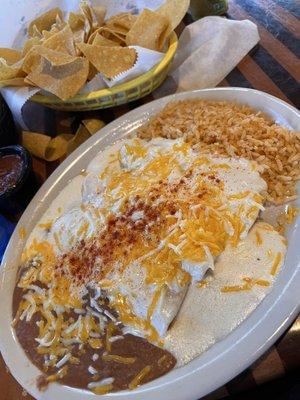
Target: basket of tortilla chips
{"x":84,"y":61}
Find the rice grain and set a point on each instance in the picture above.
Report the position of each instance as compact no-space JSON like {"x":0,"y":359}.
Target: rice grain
{"x":232,"y":129}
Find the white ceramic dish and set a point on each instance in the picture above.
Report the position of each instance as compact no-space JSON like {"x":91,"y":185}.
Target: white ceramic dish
{"x":225,"y":359}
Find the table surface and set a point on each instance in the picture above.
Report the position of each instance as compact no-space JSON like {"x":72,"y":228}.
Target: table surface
{"x":273,"y":67}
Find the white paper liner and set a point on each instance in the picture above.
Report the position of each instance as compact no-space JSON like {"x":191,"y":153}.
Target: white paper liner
{"x":16,"y":99}
{"x":94,"y":84}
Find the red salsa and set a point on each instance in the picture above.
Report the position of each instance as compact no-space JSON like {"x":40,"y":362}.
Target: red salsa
{"x":10,"y":171}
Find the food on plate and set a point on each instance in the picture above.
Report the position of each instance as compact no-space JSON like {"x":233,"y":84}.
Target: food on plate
{"x":152,"y":254}
{"x":137,"y":235}
{"x":240,"y":280}
{"x":235,"y":130}
{"x":62,"y":53}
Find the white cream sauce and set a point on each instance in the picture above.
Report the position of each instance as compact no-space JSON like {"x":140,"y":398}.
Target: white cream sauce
{"x":207,"y":315}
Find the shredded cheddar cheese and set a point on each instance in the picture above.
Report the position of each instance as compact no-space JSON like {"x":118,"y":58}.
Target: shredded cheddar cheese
{"x":259,"y":240}
{"x":153,"y":303}
{"x":137,"y":380}
{"x":286,"y":217}
{"x":248,"y":285}
{"x":292,"y":212}
{"x":118,"y":359}
{"x":202,"y":284}
{"x":46,"y":225}
{"x":59,"y":375}
{"x":262,"y":282}
{"x":236,"y":288}
{"x":239,"y":196}
{"x":109,"y":332}
{"x":170,"y":209}
{"x":162,"y":360}
{"x":95,"y":343}
{"x":276,"y":263}
{"x":103,"y":389}
{"x":22,"y":233}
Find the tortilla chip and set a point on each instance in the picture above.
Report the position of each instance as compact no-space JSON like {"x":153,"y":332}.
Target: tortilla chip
{"x":54,"y":57}
{"x":10,"y":65}
{"x":36,"y":33}
{"x":59,"y":24}
{"x":63,"y":80}
{"x":62,"y":42}
{"x":174,"y":10}
{"x":81,"y":136}
{"x":13,"y":82}
{"x":84,"y":132}
{"x":33,"y":59}
{"x":100,"y":40}
{"x":44,"y":21}
{"x":121,"y":23}
{"x":119,"y":16}
{"x":8,"y":71}
{"x":111,"y":34}
{"x":76,"y":21}
{"x":99,"y":13}
{"x":92,"y":72}
{"x":110,"y":61}
{"x":86,"y":11}
{"x":48,"y":34}
{"x":29,"y":45}
{"x":93,"y":35}
{"x":77,"y":25}
{"x":149,"y":30}
{"x":35,"y":143}
{"x":88,"y":18}
{"x":117,"y":30}
{"x":57,"y":147}
{"x":43,"y":146}
{"x":94,"y":15}
{"x":93,"y":125}
{"x":10,"y":56}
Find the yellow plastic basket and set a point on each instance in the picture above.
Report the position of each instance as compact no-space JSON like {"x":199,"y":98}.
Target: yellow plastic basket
{"x":117,"y":95}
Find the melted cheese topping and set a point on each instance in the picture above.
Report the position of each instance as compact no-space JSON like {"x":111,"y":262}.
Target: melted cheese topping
{"x":159,"y":207}
{"x":210,"y":312}
{"x":137,"y":380}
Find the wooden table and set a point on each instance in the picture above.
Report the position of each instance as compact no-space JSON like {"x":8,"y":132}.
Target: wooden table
{"x":273,"y":67}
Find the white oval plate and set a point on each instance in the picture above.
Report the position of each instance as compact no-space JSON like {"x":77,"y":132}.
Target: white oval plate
{"x":225,"y":359}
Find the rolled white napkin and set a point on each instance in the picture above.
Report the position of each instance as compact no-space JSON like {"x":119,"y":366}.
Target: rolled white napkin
{"x":208,"y":50}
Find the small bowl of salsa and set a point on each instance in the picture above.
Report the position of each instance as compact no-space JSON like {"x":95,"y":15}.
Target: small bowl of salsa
{"x":17,"y":180}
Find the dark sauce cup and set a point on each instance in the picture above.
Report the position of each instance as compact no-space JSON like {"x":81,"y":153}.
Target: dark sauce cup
{"x":14,"y":198}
